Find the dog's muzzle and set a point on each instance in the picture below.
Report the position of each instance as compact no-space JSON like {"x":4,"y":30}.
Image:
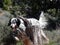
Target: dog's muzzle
{"x":13,"y":26}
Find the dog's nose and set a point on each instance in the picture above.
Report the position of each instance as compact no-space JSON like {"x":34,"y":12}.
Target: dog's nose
{"x":13,"y":25}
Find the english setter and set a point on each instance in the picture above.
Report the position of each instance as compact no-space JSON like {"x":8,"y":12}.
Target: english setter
{"x":27,"y":23}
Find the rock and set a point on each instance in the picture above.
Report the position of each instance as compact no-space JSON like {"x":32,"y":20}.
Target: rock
{"x":4,"y":17}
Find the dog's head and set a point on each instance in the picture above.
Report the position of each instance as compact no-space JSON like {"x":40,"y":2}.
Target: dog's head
{"x":14,"y":23}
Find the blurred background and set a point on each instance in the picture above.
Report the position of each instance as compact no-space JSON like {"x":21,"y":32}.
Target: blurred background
{"x":30,"y":9}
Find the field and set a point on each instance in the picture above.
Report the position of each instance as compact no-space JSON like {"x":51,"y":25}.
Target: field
{"x":53,"y":35}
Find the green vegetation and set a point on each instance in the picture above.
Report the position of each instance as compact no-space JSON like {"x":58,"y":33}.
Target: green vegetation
{"x":32,"y":8}
{"x":7,"y":4}
{"x":54,"y":37}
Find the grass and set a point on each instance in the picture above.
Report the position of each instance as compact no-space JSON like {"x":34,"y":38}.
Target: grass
{"x":19,"y":43}
{"x":54,"y":35}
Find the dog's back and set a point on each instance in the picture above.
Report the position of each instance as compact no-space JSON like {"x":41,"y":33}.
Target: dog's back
{"x":33,"y":21}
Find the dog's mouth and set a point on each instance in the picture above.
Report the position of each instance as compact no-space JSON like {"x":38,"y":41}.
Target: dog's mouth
{"x":14,"y":28}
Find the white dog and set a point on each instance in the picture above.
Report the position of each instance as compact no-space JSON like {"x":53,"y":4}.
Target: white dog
{"x":23,"y":23}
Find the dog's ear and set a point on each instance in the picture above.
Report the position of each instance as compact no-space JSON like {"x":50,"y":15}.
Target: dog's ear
{"x":18,"y":22}
{"x":9,"y":23}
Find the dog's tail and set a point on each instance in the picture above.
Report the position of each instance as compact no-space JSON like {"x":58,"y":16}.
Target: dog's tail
{"x":41,"y":16}
{"x":42,"y":20}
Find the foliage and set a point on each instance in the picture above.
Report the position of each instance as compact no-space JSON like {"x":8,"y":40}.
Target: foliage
{"x":4,"y":31}
{"x":54,"y":38}
{"x":19,"y":43}
{"x":7,"y":4}
{"x":32,"y":8}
